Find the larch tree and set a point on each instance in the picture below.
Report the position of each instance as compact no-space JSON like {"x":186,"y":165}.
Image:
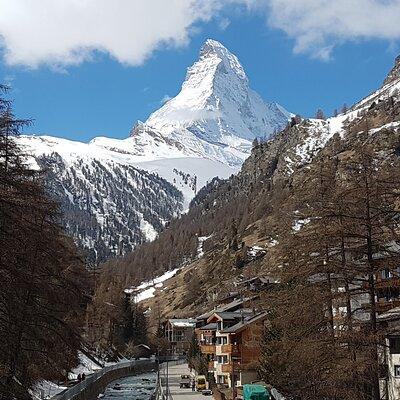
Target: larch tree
{"x":345,"y":216}
{"x":43,"y":279}
{"x":320,"y":114}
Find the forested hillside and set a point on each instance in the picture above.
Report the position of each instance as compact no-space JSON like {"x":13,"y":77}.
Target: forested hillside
{"x":313,"y":209}
{"x":99,"y":199}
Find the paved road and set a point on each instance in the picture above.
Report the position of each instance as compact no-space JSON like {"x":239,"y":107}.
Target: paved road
{"x":174,"y":374}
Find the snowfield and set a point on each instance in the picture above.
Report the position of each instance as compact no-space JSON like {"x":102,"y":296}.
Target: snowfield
{"x":146,"y":290}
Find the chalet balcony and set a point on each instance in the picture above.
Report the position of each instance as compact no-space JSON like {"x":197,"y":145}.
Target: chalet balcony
{"x":230,"y":349}
{"x":383,"y":306}
{"x":207,"y":348}
{"x":388,"y":283}
{"x":226,"y":368}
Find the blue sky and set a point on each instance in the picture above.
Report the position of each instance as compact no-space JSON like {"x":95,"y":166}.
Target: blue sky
{"x":101,"y":95}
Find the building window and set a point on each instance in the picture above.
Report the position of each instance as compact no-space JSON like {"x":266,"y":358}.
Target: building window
{"x":394,"y":345}
{"x":222,"y":359}
{"x":386,"y":274}
{"x":222,"y":340}
{"x":178,"y":336}
{"x":397,"y":370}
{"x":221,"y":379}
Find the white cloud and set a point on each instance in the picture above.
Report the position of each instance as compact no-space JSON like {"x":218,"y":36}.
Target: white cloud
{"x":67,"y":32}
{"x":223,"y":23}
{"x":318,"y":25}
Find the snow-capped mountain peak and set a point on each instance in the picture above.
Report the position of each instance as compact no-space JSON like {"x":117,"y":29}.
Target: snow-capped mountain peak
{"x":216,"y":109}
{"x":118,"y":193}
{"x":211,"y":48}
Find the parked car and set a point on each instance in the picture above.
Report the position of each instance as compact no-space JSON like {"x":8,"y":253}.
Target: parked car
{"x":184,"y":382}
{"x":201,"y":383}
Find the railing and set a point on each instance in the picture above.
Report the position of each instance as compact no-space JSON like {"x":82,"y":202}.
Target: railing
{"x":69,"y":393}
{"x":160,"y":393}
{"x":227,"y":368}
{"x":90,"y":379}
{"x":207,"y":348}
{"x":230,"y":348}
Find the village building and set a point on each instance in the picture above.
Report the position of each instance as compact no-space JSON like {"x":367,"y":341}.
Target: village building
{"x":257,"y":283}
{"x":387,"y":287}
{"x":179,"y":333}
{"x":230,"y":337}
{"x":389,"y":354}
{"x":238,"y":346}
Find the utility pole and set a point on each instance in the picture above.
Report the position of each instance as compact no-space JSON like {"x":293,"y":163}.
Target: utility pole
{"x":166,"y":381}
{"x":233,"y":379}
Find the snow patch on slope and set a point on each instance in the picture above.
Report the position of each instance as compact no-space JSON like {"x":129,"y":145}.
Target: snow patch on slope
{"x":148,"y":230}
{"x":71,"y":152}
{"x":147,"y":289}
{"x":201,"y":240}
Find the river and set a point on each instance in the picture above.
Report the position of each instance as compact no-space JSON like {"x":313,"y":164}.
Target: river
{"x":138,"y":387}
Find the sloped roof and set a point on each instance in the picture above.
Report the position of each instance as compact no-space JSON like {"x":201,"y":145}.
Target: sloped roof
{"x":227,"y":315}
{"x":392,"y":314}
{"x":209,"y":327}
{"x":182,"y":323}
{"x":225,"y":308}
{"x":232,"y":315}
{"x":205,"y":315}
{"x":246,"y":322}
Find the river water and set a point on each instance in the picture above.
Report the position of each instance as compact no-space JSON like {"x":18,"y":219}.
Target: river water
{"x":139,"y":387}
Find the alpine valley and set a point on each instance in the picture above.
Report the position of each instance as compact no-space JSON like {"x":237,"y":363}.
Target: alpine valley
{"x":234,"y":227}
{"x":116,"y":194}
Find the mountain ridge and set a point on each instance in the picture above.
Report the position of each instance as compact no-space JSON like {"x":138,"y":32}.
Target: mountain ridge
{"x":177,"y":157}
{"x":217,"y":106}
{"x":246,"y":207}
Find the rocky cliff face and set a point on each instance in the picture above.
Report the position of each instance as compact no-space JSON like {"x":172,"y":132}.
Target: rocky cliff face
{"x":394,"y":74}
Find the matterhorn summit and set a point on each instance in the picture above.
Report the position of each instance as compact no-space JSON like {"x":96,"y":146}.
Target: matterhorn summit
{"x":118,"y":193}
{"x":216,"y":114}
